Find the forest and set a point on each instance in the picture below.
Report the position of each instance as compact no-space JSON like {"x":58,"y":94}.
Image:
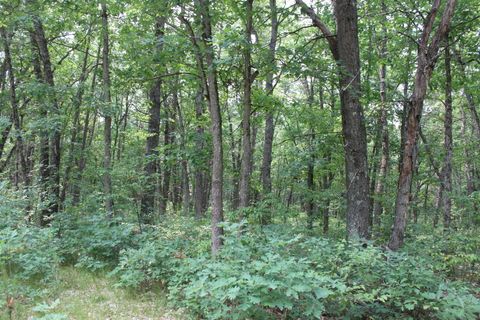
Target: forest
{"x":239,"y":159}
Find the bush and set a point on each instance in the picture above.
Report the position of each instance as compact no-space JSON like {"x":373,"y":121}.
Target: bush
{"x":28,"y":253}
{"x":93,"y":241}
{"x":271,"y":274}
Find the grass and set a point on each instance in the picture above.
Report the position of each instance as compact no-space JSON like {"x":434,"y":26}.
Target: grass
{"x":79,"y":295}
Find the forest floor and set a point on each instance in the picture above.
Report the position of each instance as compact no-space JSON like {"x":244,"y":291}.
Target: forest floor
{"x":81,"y":295}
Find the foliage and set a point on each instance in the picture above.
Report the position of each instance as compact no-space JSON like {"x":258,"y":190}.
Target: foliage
{"x":93,"y":241}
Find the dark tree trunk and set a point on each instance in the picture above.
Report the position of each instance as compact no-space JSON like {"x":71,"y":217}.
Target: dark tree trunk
{"x":345,"y":50}
{"x":353,"y":123}
{"x":380,"y":183}
{"x":266,"y":169}
{"x":215,"y":115}
{"x":167,"y":168}
{"x":85,"y":142}
{"x":468,"y":95}
{"x":427,"y":55}
{"x":77,"y":103}
{"x":200,"y":200}
{"x":20,"y":150}
{"x":44,"y":161}
{"x":107,"y":131}
{"x":447,"y":163}
{"x":245,"y":168}
{"x":184,"y":172}
{"x":151,"y":149}
{"x":55,"y":152}
{"x":468,"y":168}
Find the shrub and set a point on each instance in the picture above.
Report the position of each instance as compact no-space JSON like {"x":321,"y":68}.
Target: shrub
{"x":28,"y":253}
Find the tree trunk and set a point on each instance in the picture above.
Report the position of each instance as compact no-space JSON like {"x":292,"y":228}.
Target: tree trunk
{"x":107,"y":131}
{"x":245,"y":168}
{"x":447,"y":164}
{"x":167,"y":169}
{"x":427,"y":55}
{"x":468,"y":94}
{"x":266,"y":170}
{"x":380,"y":183}
{"x":151,"y":149}
{"x":353,"y":124}
{"x":55,"y":152}
{"x":215,"y":115}
{"x":345,"y":50}
{"x":20,"y":150}
{"x":85,"y":142}
{"x":77,"y":103}
{"x":44,"y":161}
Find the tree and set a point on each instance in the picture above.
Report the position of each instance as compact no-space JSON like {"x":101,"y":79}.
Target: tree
{"x":248,"y":77}
{"x":216,"y":128}
{"x":426,"y":59}
{"x":269,"y":123}
{"x":345,"y":50}
{"x":107,"y":128}
{"x":151,"y":149}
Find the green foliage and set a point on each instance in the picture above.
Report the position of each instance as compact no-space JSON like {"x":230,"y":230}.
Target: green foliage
{"x":28,"y":253}
{"x":278,"y":272}
{"x":94,"y":241}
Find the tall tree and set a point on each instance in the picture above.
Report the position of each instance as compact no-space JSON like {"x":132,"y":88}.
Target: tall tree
{"x":380,"y":183}
{"x":448,"y":141}
{"x":55,"y":139}
{"x":15,"y":112}
{"x":345,"y":50}
{"x":107,"y":100}
{"x":151,"y":149}
{"x":216,"y":128}
{"x":269,"y":123}
{"x":426,"y":58}
{"x":246,"y":164}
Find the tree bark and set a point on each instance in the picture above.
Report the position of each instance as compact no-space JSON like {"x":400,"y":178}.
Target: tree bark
{"x":153,"y":139}
{"x":77,"y":103}
{"x":55,"y":152}
{"x":345,"y":50}
{"x":20,"y":150}
{"x":245,"y":168}
{"x":448,"y":142}
{"x":215,"y":115}
{"x":426,"y":59}
{"x":380,"y":183}
{"x":269,"y":123}
{"x":468,"y":95}
{"x":107,"y":99}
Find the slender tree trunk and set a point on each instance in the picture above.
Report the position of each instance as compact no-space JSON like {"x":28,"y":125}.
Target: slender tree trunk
{"x":200,"y":187}
{"x":427,"y":55}
{"x":44,"y":161}
{"x":55,"y":152}
{"x":20,"y":150}
{"x":245,"y":169}
{"x":82,"y":160}
{"x":468,"y":168}
{"x":167,"y":169}
{"x":153,"y":139}
{"x":200,"y":168}
{"x":447,"y":164}
{"x":266,"y":170}
{"x":184,"y":172}
{"x":77,"y":103}
{"x":380,"y":183}
{"x":107,"y":131}
{"x":468,"y":95}
{"x":215,"y":115}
